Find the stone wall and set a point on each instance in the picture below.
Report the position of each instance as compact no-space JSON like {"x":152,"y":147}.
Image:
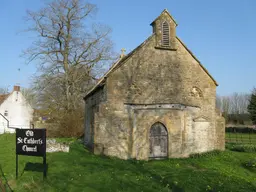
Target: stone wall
{"x":91,"y":108}
{"x":151,"y":78}
{"x":157,"y":28}
{"x":220,"y":133}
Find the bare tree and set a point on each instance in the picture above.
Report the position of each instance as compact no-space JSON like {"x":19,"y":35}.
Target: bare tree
{"x":218,"y":102}
{"x":69,"y":51}
{"x":233,"y":104}
{"x":239,"y":103}
{"x":3,"y":90}
{"x":226,"y":106}
{"x":30,"y":96}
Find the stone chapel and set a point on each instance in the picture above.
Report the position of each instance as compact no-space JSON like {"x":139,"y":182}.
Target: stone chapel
{"x":156,"y":102}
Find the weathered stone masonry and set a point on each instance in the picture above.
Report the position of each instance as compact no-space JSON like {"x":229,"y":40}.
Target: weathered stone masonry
{"x":154,"y":84}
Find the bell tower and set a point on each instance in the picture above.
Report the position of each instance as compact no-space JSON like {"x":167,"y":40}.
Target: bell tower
{"x":164,"y":27}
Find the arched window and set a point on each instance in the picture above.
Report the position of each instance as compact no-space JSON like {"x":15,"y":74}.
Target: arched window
{"x":196,"y":92}
{"x":165,"y":34}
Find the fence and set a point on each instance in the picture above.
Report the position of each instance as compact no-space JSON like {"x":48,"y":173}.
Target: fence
{"x":241,"y":135}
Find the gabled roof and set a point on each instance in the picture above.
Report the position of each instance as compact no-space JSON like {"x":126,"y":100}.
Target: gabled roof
{"x":121,"y":60}
{"x":165,"y":11}
{"x":3,"y":98}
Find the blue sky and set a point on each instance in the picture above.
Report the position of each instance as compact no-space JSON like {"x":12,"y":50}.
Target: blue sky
{"x":222,"y":35}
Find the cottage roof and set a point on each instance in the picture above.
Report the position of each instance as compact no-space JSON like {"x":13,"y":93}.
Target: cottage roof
{"x":3,"y":98}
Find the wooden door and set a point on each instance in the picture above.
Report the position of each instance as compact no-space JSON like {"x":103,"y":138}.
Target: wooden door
{"x":158,"y":141}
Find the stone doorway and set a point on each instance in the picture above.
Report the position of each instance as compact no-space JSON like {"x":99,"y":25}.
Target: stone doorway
{"x":158,"y":141}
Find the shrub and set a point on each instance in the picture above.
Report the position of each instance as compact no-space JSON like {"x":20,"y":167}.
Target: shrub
{"x":71,"y":125}
{"x":66,"y":125}
{"x":243,"y":147}
{"x":240,"y":130}
{"x":251,"y":164}
{"x":206,"y":154}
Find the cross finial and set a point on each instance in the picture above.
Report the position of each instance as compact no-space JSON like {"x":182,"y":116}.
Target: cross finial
{"x":123,"y":50}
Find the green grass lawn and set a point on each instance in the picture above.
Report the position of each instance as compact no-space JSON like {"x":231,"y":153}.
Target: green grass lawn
{"x":80,"y":170}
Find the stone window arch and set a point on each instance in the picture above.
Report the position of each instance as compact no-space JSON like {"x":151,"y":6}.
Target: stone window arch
{"x":196,"y":92}
{"x":165,"y":34}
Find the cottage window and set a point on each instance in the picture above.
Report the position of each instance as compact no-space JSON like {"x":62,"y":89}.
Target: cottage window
{"x":165,"y":34}
{"x":5,"y":113}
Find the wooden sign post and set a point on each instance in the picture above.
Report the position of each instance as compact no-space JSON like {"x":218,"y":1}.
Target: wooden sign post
{"x":31,"y":142}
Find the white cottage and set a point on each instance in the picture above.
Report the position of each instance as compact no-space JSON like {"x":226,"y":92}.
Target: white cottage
{"x":15,"y":111}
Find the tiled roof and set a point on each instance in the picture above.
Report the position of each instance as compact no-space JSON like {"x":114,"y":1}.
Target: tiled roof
{"x":3,"y":98}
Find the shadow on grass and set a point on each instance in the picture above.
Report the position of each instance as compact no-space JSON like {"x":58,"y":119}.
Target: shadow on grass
{"x":6,"y":185}
{"x":34,"y":167}
{"x":135,"y":167}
